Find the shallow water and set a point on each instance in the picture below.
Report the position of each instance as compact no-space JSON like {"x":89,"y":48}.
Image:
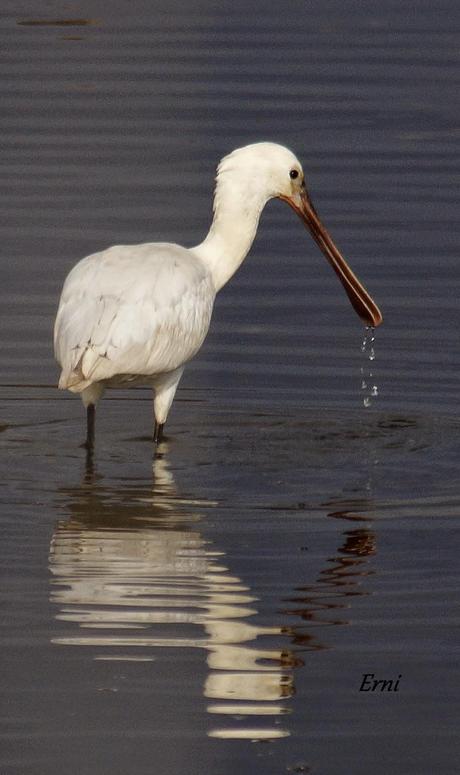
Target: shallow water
{"x":214,"y":609}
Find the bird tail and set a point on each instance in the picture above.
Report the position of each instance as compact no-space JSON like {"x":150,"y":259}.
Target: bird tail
{"x":72,"y":378}
{"x":75,"y":381}
{"x":79,"y":375}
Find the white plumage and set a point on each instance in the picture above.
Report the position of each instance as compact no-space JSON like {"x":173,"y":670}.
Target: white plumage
{"x":136,"y":314}
{"x":130,"y":314}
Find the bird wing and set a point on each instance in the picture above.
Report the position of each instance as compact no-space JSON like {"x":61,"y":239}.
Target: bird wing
{"x":131,"y":311}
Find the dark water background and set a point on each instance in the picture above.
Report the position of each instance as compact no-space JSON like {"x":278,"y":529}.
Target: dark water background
{"x":215,"y":611}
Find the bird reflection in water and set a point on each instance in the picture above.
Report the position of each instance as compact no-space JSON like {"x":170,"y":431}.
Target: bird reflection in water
{"x":320,"y":603}
{"x":131,"y":568}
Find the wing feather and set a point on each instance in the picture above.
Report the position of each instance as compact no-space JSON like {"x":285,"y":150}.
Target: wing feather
{"x":130,"y":312}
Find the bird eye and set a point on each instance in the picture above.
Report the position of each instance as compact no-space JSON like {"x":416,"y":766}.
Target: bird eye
{"x":294,"y":174}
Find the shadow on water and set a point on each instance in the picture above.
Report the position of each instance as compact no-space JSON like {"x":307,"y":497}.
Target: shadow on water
{"x":133,"y":569}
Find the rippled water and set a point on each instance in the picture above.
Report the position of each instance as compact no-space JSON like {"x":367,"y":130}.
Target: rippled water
{"x":215,"y":609}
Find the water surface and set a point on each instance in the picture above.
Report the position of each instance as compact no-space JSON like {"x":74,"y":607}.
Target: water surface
{"x":213,"y":609}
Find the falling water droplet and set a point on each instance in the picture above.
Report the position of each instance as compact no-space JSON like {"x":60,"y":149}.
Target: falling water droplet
{"x":368,"y":389}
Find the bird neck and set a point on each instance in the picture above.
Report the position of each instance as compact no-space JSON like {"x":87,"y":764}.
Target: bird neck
{"x":232,"y":232}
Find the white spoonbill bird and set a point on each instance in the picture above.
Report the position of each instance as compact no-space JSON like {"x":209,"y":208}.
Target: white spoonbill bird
{"x":135,"y":314}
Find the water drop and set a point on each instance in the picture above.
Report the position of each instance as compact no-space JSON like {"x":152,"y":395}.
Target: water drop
{"x":368,"y":389}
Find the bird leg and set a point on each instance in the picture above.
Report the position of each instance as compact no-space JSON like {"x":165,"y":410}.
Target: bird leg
{"x":90,"y":426}
{"x":158,"y":432}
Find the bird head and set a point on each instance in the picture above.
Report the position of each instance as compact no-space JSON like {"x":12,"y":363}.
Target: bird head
{"x":256,"y":173}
